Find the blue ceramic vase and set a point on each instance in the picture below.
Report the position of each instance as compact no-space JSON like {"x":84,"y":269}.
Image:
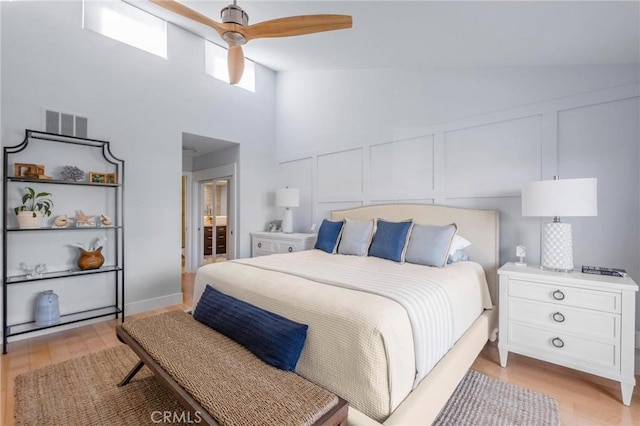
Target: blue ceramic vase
{"x":47,"y":308}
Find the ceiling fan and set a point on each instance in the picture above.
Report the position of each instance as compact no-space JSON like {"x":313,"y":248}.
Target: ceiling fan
{"x":236,"y":31}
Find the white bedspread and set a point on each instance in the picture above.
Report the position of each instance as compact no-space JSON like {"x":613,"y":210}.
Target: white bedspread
{"x":360,"y":345}
{"x":428,"y":303}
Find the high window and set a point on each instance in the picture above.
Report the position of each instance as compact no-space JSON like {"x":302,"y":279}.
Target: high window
{"x":127,"y":24}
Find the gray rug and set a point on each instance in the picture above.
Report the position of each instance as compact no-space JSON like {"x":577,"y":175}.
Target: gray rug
{"x":480,"y":400}
{"x":83,"y":391}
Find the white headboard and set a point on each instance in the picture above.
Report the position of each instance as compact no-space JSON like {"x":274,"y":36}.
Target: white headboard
{"x":481,"y":227}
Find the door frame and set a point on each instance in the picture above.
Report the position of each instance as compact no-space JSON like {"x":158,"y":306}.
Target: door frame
{"x":195,"y":251}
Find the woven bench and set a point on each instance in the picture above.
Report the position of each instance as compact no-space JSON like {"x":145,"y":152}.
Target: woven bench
{"x":220,"y":381}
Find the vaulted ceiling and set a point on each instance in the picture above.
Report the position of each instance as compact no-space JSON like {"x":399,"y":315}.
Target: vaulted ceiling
{"x":439,"y":34}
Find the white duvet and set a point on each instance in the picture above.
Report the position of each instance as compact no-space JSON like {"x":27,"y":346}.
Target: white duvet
{"x":376,"y":327}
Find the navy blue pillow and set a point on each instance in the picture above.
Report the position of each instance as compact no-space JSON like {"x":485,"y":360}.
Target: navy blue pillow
{"x":328,"y":236}
{"x":276,"y":340}
{"x":390,"y":240}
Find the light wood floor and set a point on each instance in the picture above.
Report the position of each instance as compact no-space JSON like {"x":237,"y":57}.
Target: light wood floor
{"x":583,"y":399}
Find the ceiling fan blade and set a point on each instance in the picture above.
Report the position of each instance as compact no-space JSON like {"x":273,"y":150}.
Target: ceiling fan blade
{"x":187,"y":12}
{"x":235,"y":62}
{"x":297,"y":25}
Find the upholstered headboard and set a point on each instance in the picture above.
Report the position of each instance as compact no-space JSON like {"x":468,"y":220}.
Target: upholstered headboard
{"x":481,"y":227}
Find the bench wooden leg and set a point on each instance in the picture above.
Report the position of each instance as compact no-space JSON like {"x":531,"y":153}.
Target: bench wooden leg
{"x":132,"y":373}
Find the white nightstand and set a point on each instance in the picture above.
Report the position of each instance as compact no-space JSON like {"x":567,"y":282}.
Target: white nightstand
{"x":577,"y":320}
{"x":264,"y":243}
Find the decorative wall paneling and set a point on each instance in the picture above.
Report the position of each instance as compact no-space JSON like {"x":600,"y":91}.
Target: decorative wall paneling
{"x":483,"y":161}
{"x":599,"y":138}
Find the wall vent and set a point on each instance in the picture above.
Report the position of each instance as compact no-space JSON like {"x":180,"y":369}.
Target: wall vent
{"x":65,"y":124}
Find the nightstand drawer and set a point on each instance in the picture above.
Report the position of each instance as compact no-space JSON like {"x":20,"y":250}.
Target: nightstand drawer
{"x":289,"y":247}
{"x":564,"y":349}
{"x":603,"y":301}
{"x":263,"y":243}
{"x":588,"y":323}
{"x":265,"y":246}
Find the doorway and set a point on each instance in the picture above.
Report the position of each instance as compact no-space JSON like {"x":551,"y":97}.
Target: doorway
{"x":215,"y":197}
{"x":214,"y":211}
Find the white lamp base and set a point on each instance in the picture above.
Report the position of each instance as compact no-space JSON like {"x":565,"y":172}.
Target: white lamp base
{"x":557,"y":247}
{"x":287,"y":221}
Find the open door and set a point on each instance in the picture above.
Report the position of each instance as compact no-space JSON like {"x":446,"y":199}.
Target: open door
{"x":213,"y":234}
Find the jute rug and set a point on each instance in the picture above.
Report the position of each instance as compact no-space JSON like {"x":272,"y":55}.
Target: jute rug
{"x":481,"y":401}
{"x":83,"y":391}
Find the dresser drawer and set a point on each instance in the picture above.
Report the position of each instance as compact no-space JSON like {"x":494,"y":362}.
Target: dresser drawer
{"x":587,"y":353}
{"x":588,"y":323}
{"x":603,"y":301}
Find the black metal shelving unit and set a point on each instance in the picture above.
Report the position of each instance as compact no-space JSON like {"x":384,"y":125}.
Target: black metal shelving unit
{"x":117,"y":269}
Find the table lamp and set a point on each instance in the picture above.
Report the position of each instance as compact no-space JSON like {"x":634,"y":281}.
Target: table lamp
{"x":555,"y":198}
{"x":288,"y":198}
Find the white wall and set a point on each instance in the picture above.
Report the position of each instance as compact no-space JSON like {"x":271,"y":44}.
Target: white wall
{"x":217,"y":158}
{"x":468,"y":138}
{"x":142,"y":104}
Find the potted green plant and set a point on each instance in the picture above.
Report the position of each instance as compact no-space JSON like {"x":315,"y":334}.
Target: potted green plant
{"x":35,"y":206}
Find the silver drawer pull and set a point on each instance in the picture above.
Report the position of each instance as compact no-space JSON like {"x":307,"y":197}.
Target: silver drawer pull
{"x":557,"y":342}
{"x":558,"y":317}
{"x":290,"y":249}
{"x":558,"y":295}
{"x":259,"y":245}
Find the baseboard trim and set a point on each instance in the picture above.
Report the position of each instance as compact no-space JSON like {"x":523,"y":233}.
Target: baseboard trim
{"x":129,"y":309}
{"x":151,"y":304}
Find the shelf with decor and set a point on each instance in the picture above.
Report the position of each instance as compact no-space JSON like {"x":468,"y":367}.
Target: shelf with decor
{"x":89,"y":275}
{"x":59,"y":182}
{"x":16,"y":279}
{"x":69,"y":228}
{"x":66,"y":319}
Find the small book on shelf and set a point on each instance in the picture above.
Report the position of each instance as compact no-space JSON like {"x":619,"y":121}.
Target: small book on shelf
{"x":614,"y":272}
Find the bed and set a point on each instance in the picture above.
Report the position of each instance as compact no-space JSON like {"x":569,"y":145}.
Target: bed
{"x":361,"y":345}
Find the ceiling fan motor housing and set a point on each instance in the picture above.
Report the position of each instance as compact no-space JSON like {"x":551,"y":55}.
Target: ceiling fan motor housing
{"x":233,"y":14}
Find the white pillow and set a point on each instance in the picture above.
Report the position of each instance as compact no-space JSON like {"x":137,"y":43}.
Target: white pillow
{"x":458,"y":243}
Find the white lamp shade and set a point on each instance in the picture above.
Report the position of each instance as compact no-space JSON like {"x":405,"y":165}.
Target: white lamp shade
{"x":562,"y":197}
{"x":288,"y":197}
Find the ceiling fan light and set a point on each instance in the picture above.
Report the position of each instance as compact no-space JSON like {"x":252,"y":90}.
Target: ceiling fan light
{"x":234,"y":38}
{"x":233,"y":14}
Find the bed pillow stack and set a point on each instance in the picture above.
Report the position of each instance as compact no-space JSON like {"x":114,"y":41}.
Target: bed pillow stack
{"x":274,"y":339}
{"x":405,"y":241}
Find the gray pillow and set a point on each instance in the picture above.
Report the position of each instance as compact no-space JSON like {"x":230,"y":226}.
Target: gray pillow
{"x":429,"y":244}
{"x":356,"y":237}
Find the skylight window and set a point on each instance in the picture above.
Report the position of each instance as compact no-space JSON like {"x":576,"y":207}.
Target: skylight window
{"x":216,"y":66}
{"x":127,"y":24}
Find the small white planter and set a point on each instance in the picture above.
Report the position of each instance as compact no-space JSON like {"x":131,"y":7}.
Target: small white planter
{"x":27,"y":221}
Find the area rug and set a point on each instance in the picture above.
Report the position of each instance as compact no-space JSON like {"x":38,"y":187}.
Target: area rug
{"x":480,"y":400}
{"x":83,"y":391}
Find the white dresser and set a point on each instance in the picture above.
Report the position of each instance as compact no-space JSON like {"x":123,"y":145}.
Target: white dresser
{"x":577,"y":320}
{"x":264,"y":243}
